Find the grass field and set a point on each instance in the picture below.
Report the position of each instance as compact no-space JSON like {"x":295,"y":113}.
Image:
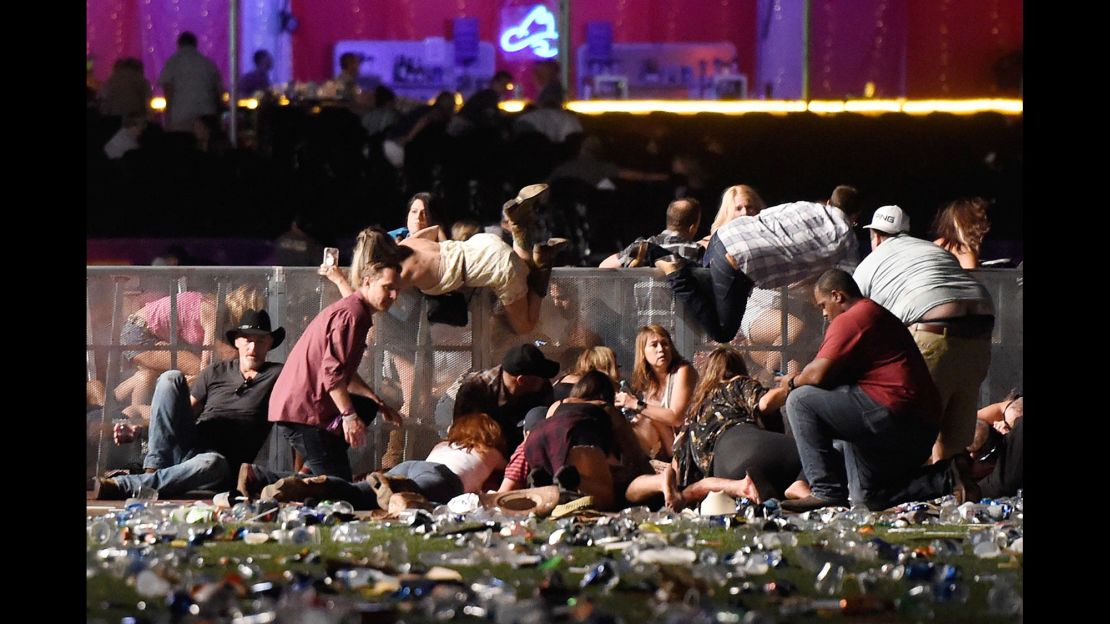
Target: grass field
{"x":891,"y":567}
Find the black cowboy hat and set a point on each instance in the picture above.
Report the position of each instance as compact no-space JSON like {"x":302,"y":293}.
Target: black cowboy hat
{"x":256,"y":323}
{"x":527,"y":359}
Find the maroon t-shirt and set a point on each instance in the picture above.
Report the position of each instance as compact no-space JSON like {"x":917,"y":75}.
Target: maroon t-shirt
{"x":869,"y":347}
{"x":326,"y":356}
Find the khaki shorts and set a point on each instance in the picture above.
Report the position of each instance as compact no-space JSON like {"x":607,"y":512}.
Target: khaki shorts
{"x":484,"y":261}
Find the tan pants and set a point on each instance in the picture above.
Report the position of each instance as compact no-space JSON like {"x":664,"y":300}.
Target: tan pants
{"x":958,"y":367}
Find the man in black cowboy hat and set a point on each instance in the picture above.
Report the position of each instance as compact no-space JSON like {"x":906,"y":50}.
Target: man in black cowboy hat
{"x":197,"y":435}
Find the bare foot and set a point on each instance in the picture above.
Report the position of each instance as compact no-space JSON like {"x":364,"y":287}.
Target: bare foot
{"x":743,"y":488}
{"x":672,"y":496}
{"x":798,"y":489}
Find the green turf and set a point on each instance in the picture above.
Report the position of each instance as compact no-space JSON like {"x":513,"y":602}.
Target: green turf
{"x":110,"y":597}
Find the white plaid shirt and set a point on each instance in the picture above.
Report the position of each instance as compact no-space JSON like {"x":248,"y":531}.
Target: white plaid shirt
{"x":669,"y":240}
{"x":788,"y":243}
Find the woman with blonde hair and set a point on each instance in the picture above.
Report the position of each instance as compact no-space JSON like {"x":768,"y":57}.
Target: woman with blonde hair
{"x":740,"y":200}
{"x":724,"y":444}
{"x":666,"y":381}
{"x":519,"y":276}
{"x":960,"y":228}
{"x":595,"y":358}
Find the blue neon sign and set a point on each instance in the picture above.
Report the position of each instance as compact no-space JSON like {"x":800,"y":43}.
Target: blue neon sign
{"x":536,"y":31}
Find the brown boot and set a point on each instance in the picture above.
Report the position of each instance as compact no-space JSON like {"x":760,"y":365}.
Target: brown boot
{"x":519,"y":208}
{"x":538,"y":281}
{"x":107,"y":489}
{"x":385,"y":486}
{"x":543,"y":254}
{"x":394,"y":449}
{"x":522,"y":236}
{"x":296,"y":488}
{"x":408,"y":500}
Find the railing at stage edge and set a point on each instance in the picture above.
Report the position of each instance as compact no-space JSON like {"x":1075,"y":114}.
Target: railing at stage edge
{"x":413,"y":362}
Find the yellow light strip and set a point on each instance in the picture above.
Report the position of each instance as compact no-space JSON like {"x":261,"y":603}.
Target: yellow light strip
{"x":250,"y":103}
{"x":873,"y":106}
{"x":822,"y":107}
{"x":965,"y":107}
{"x":158,"y":103}
{"x":686,"y":107}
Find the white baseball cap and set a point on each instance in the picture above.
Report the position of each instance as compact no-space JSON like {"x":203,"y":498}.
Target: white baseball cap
{"x":890,"y":220}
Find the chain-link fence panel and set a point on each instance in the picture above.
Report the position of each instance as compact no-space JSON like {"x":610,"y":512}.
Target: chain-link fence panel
{"x":141,"y":321}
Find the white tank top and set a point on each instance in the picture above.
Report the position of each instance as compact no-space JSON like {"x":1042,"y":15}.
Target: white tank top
{"x":472,"y":467}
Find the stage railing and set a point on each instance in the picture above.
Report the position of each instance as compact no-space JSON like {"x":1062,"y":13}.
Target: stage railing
{"x":413,"y":362}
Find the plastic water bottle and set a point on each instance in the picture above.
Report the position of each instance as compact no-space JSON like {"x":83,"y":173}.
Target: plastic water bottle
{"x":628,"y":413}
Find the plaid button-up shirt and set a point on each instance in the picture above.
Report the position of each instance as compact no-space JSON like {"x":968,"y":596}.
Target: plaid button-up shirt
{"x":790,"y":242}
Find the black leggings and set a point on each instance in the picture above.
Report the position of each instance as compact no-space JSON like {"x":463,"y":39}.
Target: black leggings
{"x":770,"y":457}
{"x":1007,"y":477}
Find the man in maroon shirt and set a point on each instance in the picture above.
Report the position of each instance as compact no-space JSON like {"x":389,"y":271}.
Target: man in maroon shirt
{"x":870,"y":388}
{"x":314,"y":399}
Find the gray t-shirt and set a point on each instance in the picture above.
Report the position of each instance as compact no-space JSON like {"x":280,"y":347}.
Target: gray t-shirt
{"x":910,"y":276}
{"x":197,"y":88}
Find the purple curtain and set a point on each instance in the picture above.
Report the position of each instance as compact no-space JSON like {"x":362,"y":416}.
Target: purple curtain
{"x":161,"y":21}
{"x":111,"y":32}
{"x":856,"y":42}
{"x":148,"y":29}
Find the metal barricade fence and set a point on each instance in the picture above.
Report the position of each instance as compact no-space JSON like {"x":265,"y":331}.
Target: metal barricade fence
{"x":412,"y":363}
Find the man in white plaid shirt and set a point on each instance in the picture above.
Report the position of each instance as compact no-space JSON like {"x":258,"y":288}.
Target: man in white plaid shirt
{"x":781,"y":245}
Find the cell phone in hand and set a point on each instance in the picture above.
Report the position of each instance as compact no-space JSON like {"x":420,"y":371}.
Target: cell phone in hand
{"x":331,"y":256}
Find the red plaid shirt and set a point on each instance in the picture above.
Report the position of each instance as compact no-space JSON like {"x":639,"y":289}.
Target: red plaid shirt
{"x":517,"y":470}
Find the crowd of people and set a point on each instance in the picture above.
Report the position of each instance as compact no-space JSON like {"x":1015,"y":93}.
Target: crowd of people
{"x":885,"y":412}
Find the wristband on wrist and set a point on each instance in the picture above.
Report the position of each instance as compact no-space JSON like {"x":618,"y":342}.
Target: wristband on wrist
{"x":790,"y":385}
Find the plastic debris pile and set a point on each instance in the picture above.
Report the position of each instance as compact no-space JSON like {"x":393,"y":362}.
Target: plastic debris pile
{"x":323,"y":564}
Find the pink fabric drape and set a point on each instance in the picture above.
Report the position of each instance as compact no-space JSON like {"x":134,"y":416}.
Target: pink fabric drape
{"x":941,"y":48}
{"x":148,"y":29}
{"x":323,"y":22}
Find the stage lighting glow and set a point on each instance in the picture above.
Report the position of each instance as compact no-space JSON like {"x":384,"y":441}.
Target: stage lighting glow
{"x":963,"y":107}
{"x":820,"y":107}
{"x":536,"y":31}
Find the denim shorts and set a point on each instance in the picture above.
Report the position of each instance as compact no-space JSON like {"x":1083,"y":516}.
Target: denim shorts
{"x":136,"y":333}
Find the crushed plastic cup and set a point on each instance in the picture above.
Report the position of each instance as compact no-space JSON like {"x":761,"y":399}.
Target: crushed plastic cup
{"x":149,"y":585}
{"x":100,"y":532}
{"x":351,"y":533}
{"x":464,"y":504}
{"x":830,"y":580}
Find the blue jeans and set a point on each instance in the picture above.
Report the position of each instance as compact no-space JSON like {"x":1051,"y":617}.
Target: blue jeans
{"x":719,"y":305}
{"x":203,"y":471}
{"x":174,"y":447}
{"x":436,"y":481}
{"x":883,"y":451}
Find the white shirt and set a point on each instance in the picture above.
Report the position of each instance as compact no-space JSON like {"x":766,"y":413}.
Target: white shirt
{"x":196,"y":88}
{"x":472,"y":467}
{"x":120,"y":143}
{"x":910,"y":276}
